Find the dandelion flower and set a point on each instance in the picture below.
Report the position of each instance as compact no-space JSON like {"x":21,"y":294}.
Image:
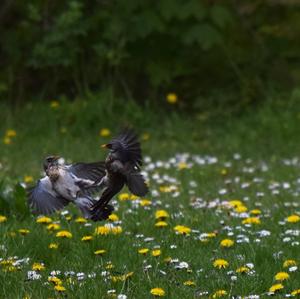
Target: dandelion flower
{"x":3,"y":218}
{"x":44,"y":220}
{"x":80,"y":220}
{"x":53,"y":246}
{"x":293,"y":218}
{"x":24,"y":231}
{"x":182,"y":165}
{"x":7,"y":140}
{"x":55,"y":280}
{"x":145,"y":202}
{"x":295,"y":292}
{"x":159,"y":292}
{"x":113,"y":217}
{"x":145,"y":136}
{"x":242,"y":269}
{"x":276,"y":287}
{"x":143,"y":251}
{"x":38,"y":267}
{"x":123,"y":196}
{"x":255,"y":212}
{"x":289,"y":263}
{"x":219,"y":293}
{"x":182,"y":230}
{"x":11,"y":133}
{"x":172,"y":98}
{"x":189,"y":283}
{"x":251,"y":220}
{"x":102,"y":230}
{"x":53,"y":226}
{"x":281,"y":276}
{"x":54,"y":104}
{"x":86,"y":238}
{"x":220,"y":263}
{"x":161,"y":215}
{"x":28,"y":179}
{"x":104,"y":132}
{"x":64,"y":234}
{"x":161,"y":224}
{"x":156,"y":252}
{"x":241,"y":209}
{"x":100,"y":252}
{"x":59,"y":288}
{"x":227,"y":243}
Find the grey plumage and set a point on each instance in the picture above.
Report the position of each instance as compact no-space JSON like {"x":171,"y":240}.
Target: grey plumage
{"x":64,"y":184}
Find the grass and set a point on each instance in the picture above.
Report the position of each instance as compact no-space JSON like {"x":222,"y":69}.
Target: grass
{"x":262,"y":136}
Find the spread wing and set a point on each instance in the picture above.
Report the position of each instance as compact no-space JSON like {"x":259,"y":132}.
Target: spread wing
{"x":42,"y":199}
{"x":88,"y":171}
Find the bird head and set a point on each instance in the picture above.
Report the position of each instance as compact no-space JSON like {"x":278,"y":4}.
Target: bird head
{"x":50,"y":161}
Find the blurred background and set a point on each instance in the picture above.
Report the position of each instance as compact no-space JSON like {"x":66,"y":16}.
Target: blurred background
{"x":191,"y":74}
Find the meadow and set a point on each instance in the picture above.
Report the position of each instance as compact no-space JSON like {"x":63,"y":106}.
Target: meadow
{"x":221,"y":219}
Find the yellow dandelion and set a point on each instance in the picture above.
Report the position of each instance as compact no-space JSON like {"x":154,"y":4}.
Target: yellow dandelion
{"x":124,"y":196}
{"x":161,"y":224}
{"x":100,"y":252}
{"x":219,"y":293}
{"x":116,"y":230}
{"x":133,"y":197}
{"x":182,"y":165}
{"x":143,"y":251}
{"x":53,"y":246}
{"x":255,"y":212}
{"x":281,"y":276}
{"x":241,"y":209}
{"x":3,"y":218}
{"x":224,"y":171}
{"x":295,"y":292}
{"x":276,"y":287}
{"x":293,"y":218}
{"x":242,"y":269}
{"x":38,"y":267}
{"x":189,"y":283}
{"x":220,"y":263}
{"x":54,"y":104}
{"x":23,"y":231}
{"x":53,"y":226}
{"x":80,"y":220}
{"x":145,"y":136}
{"x":113,"y":217}
{"x":235,"y":203}
{"x":102,"y":230}
{"x":182,"y":230}
{"x":55,"y":280}
{"x":156,"y":252}
{"x":64,"y":234}
{"x":172,"y":98}
{"x":159,"y":292}
{"x":289,"y":263}
{"x":104,"y":132}
{"x":44,"y":220}
{"x":7,"y":140}
{"x":161,"y":214}
{"x":251,"y":220}
{"x":28,"y":179}
{"x":11,"y":133}
{"x":145,"y":202}
{"x":59,"y":288}
{"x":227,"y":243}
{"x":87,"y":238}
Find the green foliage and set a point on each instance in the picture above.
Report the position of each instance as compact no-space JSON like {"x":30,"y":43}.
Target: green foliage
{"x":146,"y":48}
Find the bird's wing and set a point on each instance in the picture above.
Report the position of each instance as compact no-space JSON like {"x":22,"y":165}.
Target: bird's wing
{"x":43,"y":199}
{"x":88,"y":171}
{"x":135,"y":180}
{"x":129,"y":147}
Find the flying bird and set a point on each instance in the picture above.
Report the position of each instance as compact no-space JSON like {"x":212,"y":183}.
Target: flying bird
{"x":64,"y":184}
{"x":122,"y":165}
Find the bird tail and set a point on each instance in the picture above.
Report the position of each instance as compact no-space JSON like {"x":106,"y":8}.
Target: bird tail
{"x":85,"y":204}
{"x":130,"y":145}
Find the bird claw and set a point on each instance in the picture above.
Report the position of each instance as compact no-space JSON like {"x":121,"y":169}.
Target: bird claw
{"x":103,"y":214}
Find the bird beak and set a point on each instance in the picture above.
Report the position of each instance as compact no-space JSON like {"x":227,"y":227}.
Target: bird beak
{"x":104,"y":145}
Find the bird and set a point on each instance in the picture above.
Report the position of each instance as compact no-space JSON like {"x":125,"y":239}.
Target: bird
{"x":65,"y":183}
{"x":122,"y":164}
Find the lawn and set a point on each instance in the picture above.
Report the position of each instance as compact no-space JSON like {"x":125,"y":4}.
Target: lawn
{"x":221,"y":219}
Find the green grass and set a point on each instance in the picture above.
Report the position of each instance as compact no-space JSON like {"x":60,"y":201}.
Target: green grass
{"x":263,"y":136}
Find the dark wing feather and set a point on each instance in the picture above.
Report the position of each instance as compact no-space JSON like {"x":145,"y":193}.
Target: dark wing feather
{"x":129,"y":146}
{"x":43,"y":199}
{"x":136,"y":184}
{"x":89,"y":171}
